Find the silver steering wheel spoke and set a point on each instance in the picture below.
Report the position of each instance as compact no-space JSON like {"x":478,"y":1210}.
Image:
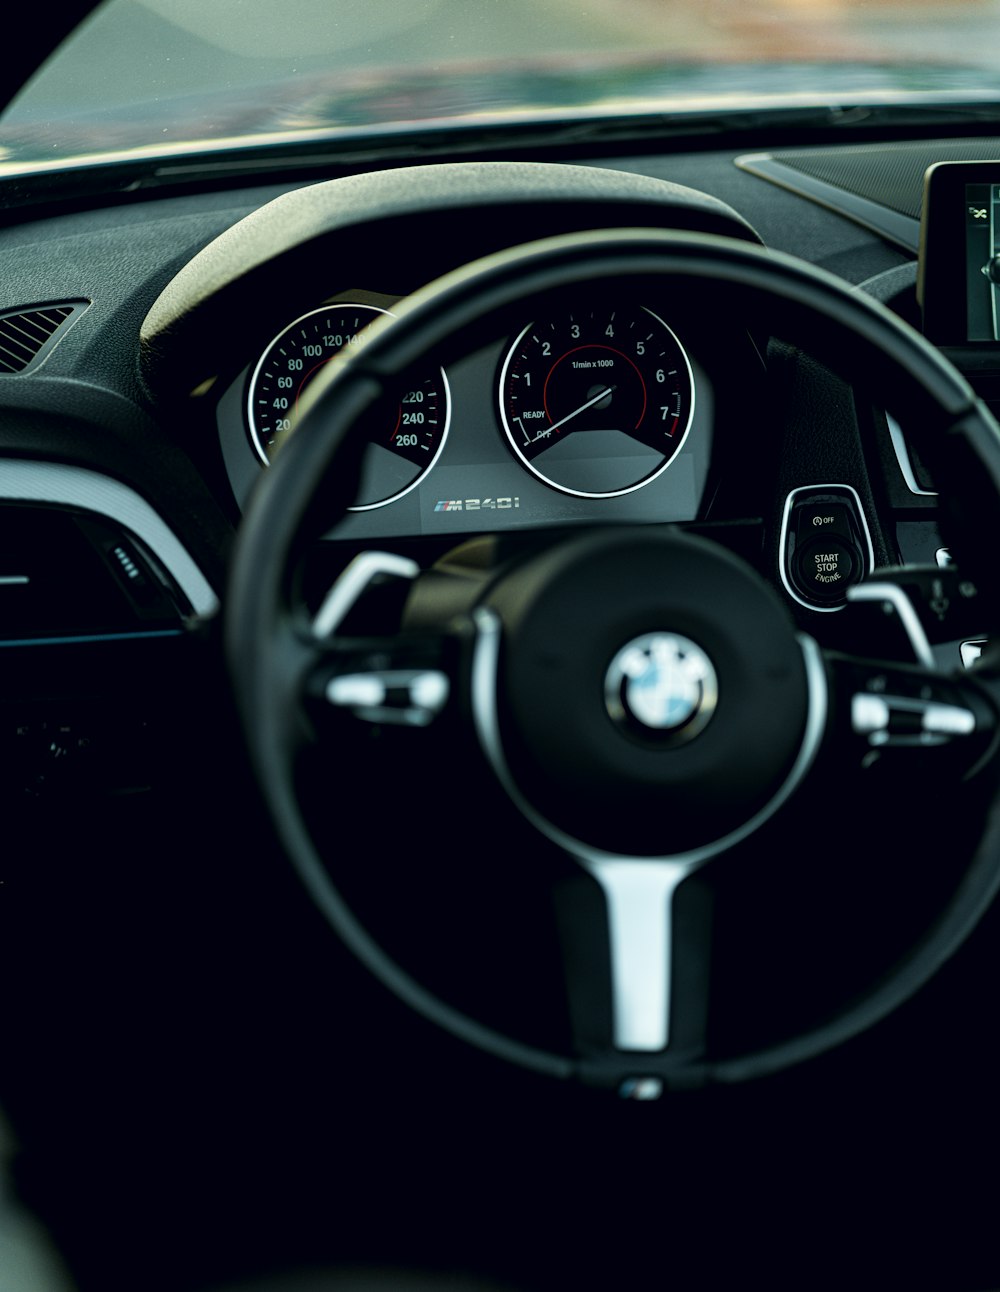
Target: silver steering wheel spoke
{"x":396,"y":682}
{"x":639,"y":896}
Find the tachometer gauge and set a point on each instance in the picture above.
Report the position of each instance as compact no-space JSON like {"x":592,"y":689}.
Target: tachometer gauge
{"x":399,"y":454}
{"x":598,"y":402}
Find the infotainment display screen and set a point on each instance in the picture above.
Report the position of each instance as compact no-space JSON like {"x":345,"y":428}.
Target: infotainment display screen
{"x":959,"y":274}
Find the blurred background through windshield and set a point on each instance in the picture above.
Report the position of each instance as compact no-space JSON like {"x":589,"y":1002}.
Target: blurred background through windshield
{"x":163,"y":73}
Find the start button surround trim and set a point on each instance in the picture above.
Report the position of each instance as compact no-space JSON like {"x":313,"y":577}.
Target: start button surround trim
{"x":848,"y":496}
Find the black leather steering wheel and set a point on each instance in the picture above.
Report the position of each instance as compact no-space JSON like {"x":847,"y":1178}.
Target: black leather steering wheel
{"x":521,"y":655}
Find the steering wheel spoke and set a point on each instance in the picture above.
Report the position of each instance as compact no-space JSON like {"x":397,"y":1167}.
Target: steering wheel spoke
{"x":639,"y":897}
{"x":881,"y":708}
{"x":929,"y":607}
{"x":636,"y":940}
{"x":398,"y":680}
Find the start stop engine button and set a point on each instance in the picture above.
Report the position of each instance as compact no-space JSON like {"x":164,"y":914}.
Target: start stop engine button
{"x":825,"y":545}
{"x":825,"y":568}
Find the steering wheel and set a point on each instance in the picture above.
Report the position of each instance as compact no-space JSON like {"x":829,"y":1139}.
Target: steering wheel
{"x":639,"y":698}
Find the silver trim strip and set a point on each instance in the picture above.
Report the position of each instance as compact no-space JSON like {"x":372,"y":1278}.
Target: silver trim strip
{"x":869,"y":713}
{"x":871,"y":716}
{"x":908,"y":617}
{"x":640,"y":1089}
{"x":70,"y":486}
{"x":639,"y":897}
{"x":970,"y":651}
{"x":639,"y":913}
{"x":949,"y":720}
{"x":353,"y":581}
{"x":368,"y":695}
{"x":902,"y":452}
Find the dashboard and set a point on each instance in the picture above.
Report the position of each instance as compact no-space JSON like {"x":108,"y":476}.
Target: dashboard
{"x":653,"y":408}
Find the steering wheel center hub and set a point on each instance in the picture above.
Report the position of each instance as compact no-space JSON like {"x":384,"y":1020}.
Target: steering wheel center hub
{"x":662,"y":686}
{"x":625,"y":735}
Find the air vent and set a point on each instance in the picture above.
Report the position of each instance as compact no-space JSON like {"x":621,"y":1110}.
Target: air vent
{"x":27,"y":335}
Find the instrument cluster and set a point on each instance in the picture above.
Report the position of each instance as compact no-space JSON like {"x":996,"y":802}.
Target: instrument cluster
{"x":597,"y":412}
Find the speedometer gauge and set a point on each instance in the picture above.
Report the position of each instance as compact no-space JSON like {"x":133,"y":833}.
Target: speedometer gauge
{"x":400,"y":452}
{"x":597,"y":402}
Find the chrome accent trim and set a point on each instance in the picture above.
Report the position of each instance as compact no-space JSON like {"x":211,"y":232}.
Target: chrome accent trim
{"x":643,"y":1018}
{"x":13,"y":580}
{"x":367,"y":695}
{"x":949,"y":720}
{"x":871,"y":716}
{"x":71,"y":486}
{"x":908,"y":617}
{"x":639,"y":898}
{"x":783,"y":541}
{"x":970,"y":651}
{"x":902,"y":452}
{"x":869,"y":713}
{"x":640,"y":1089}
{"x":349,"y":586}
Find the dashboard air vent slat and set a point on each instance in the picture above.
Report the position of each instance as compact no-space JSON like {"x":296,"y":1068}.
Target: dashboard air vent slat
{"x":28,"y":334}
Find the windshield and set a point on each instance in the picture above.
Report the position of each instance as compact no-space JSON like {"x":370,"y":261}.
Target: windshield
{"x":177,"y":75}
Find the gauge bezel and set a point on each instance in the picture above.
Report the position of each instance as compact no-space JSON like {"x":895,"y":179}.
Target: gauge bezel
{"x":530,"y":466}
{"x":422,"y":475}
{"x":254,"y":431}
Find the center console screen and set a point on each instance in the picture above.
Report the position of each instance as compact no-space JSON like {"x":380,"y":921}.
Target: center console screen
{"x":959,"y":270}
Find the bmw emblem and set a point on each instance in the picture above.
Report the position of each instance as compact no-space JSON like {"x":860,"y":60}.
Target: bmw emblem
{"x":663,"y":686}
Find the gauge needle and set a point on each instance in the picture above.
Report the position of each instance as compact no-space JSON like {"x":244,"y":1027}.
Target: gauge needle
{"x":601,"y":394}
